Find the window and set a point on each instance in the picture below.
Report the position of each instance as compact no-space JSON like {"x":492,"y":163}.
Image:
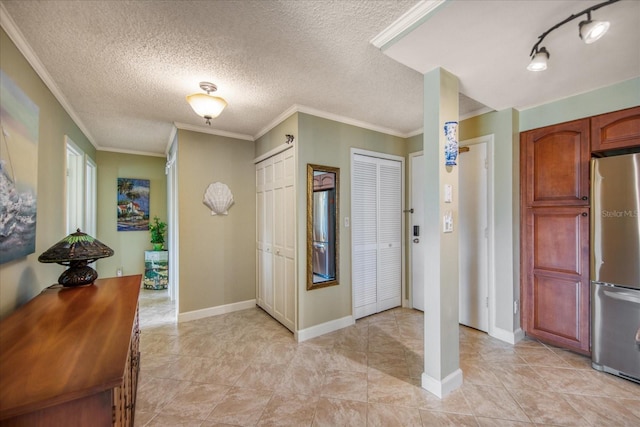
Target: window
{"x":81,"y":184}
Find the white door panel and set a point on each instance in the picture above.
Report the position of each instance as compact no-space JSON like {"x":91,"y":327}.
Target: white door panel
{"x":473,"y":235}
{"x":417,"y":219}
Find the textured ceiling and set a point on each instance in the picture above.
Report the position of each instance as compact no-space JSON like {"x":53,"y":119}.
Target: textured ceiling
{"x":123,"y":68}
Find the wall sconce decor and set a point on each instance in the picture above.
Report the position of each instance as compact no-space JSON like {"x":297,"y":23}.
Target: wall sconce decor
{"x":588,"y":30}
{"x":451,"y":145}
{"x":77,"y":250}
{"x":206,"y":105}
{"x":218,"y":198}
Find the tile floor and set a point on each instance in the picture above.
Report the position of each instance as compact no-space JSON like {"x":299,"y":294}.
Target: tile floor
{"x":245,"y":369}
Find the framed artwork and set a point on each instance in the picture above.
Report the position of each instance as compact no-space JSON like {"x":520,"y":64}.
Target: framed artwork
{"x":19,"y":119}
{"x":133,"y":204}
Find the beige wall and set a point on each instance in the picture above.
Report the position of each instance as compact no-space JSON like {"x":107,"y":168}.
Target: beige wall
{"x":128,"y":246}
{"x":328,"y":143}
{"x":217,"y":253}
{"x":503,"y":125}
{"x":22,"y":279}
{"x":277,"y":136}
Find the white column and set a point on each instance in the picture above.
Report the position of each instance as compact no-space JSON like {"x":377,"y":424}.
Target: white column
{"x":442,"y":372}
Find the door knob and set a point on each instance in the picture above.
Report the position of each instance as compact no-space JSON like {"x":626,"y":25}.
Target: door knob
{"x":416,"y":240}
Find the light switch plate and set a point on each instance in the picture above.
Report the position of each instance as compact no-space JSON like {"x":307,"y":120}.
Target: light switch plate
{"x":346,"y":221}
{"x":447,"y":225}
{"x":448,"y":193}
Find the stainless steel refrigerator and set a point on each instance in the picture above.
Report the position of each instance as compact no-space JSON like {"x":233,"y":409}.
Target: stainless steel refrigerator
{"x":323,"y":235}
{"x":615,"y":265}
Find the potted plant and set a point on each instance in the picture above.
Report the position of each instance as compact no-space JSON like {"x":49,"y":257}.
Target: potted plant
{"x":157,"y":229}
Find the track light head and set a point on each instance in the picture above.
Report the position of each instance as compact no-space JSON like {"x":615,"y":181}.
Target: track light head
{"x":539,"y":60}
{"x":590,"y":31}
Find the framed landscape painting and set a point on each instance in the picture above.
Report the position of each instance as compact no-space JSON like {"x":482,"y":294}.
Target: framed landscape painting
{"x":133,"y":204}
{"x":19,"y":118}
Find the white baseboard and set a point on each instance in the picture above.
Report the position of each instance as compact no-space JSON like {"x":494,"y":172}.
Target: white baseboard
{"x":442,"y":388}
{"x":506,"y":336}
{"x":216,"y":311}
{"x":324,"y":328}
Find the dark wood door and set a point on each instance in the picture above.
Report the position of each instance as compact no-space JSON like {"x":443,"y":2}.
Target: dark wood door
{"x":556,"y":284}
{"x":556,"y":165}
{"x":554,"y":229}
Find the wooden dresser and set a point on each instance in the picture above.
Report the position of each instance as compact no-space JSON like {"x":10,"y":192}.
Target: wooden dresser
{"x":70,"y":357}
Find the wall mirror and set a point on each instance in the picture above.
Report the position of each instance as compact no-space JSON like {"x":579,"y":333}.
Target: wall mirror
{"x":323,"y":184}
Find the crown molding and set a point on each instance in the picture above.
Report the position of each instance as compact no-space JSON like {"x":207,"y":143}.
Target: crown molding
{"x":275,"y":122}
{"x":297,"y":108}
{"x":18,"y":39}
{"x":135,"y":152}
{"x":415,"y":133}
{"x":349,"y":121}
{"x":408,"y":20}
{"x":477,"y":112}
{"x":172,"y":137}
{"x":211,"y":131}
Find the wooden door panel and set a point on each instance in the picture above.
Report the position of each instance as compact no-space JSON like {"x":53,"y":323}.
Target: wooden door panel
{"x":558,"y":241}
{"x":617,"y":130}
{"x":557,"y":304}
{"x":555,"y":276}
{"x":556,"y":164}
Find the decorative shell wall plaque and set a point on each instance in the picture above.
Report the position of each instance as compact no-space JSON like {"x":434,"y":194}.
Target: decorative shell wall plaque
{"x":218,"y":198}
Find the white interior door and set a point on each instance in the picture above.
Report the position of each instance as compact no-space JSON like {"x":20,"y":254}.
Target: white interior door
{"x":417,"y":219}
{"x":275,"y":237}
{"x":376,"y":233}
{"x":364,"y":190}
{"x":473,"y":235}
{"x":389,"y":234}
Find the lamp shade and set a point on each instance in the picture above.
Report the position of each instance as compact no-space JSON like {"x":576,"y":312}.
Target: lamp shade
{"x":205,"y":105}
{"x":590,"y":31}
{"x":539,"y":60}
{"x":76,"y":251}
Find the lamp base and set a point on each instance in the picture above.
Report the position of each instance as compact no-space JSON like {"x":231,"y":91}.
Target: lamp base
{"x":78,"y":274}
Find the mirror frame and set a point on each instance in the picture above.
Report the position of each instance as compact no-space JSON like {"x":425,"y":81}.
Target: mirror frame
{"x":311,"y":169}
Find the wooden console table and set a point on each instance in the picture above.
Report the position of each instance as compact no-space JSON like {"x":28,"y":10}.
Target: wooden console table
{"x":70,"y":356}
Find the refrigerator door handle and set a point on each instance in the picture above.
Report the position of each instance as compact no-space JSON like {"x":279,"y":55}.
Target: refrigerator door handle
{"x":623,"y":296}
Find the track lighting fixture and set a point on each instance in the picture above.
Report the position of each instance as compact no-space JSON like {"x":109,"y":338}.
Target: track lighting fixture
{"x":588,"y":30}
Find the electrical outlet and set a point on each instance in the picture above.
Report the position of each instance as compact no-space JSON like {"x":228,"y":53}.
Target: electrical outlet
{"x":516,"y":306}
{"x":346,"y":221}
{"x":119,"y":272}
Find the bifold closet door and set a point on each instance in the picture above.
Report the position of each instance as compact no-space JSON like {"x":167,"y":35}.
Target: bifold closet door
{"x":275,"y":240}
{"x":376,"y":195}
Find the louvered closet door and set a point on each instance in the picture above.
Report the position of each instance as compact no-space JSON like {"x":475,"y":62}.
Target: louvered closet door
{"x":389,"y":234}
{"x":364,"y":198}
{"x":376,"y":196}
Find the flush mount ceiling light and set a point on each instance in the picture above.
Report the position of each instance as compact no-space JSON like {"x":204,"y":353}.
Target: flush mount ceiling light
{"x":206,"y":105}
{"x":588,"y":30}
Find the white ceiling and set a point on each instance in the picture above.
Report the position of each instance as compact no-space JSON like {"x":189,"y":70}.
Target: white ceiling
{"x":123,"y":68}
